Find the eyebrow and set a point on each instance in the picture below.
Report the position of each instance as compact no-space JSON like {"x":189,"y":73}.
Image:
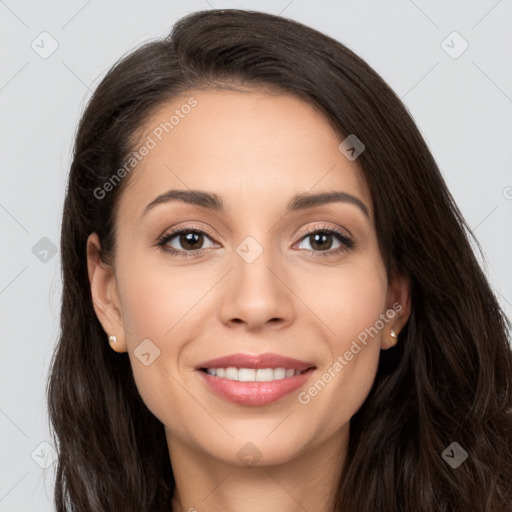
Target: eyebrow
{"x":214,"y":202}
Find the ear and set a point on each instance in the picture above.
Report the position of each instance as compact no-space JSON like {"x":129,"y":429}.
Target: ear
{"x":399,"y":302}
{"x":105,"y":295}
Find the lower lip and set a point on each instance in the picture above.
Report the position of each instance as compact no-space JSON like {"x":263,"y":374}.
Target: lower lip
{"x":255,"y":393}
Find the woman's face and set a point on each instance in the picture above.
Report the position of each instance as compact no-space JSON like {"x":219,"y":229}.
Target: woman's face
{"x":264,"y":275}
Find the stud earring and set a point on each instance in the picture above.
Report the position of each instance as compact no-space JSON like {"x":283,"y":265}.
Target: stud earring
{"x":394,"y":336}
{"x":112,"y":339}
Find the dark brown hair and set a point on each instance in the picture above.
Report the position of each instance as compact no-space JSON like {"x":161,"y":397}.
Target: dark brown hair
{"x":449,"y":377}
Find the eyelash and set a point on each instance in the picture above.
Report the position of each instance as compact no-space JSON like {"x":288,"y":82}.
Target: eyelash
{"x":347,"y":242}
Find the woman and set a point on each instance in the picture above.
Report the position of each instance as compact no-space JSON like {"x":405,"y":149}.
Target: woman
{"x":270,"y":300}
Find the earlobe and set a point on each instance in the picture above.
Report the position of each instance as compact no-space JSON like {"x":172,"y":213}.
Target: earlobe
{"x":399,"y":307}
{"x":104,"y":295}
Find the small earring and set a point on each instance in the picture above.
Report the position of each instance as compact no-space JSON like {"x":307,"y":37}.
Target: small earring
{"x":112,"y":339}
{"x":394,"y":336}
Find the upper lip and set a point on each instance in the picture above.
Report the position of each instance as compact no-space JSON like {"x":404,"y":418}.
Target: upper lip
{"x":256,"y":362}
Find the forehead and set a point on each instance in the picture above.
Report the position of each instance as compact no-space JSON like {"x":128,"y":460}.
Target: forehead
{"x":255,"y":149}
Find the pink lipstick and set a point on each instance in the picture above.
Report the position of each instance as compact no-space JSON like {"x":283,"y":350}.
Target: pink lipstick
{"x":254,"y":380}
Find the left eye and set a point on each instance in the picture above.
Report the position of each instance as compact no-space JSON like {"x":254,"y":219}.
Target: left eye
{"x":321,"y":238}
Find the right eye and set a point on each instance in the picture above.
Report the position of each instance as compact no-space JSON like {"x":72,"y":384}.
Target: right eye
{"x":188,"y":238}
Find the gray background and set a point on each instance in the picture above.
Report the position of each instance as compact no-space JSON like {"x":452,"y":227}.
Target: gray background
{"x":463,"y":107}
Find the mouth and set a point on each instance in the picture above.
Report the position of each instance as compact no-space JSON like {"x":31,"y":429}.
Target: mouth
{"x":255,"y":380}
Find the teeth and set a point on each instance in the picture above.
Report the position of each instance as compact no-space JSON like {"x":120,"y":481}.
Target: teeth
{"x":279,"y":373}
{"x":264,"y":374}
{"x":246,"y":374}
{"x":231,"y":373}
{"x":251,"y":374}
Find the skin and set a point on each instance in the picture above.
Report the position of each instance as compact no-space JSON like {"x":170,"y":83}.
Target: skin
{"x":256,"y":150}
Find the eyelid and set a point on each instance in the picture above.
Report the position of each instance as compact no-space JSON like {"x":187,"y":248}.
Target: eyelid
{"x":319,"y":226}
{"x":206,"y":231}
{"x":169,"y":234}
{"x":345,"y":237}
{"x":185,"y":227}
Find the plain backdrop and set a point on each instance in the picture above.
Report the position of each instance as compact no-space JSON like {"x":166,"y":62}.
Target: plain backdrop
{"x":461,"y":102}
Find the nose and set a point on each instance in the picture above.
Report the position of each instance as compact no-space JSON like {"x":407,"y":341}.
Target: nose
{"x":257,"y":295}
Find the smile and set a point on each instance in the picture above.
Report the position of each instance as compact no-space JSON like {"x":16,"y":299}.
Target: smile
{"x":252,"y":374}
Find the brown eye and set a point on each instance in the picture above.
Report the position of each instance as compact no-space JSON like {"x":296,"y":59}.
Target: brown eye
{"x":321,"y":241}
{"x":191,"y":240}
{"x":184,"y":242}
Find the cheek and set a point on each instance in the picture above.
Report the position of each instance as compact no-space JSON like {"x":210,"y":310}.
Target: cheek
{"x":353,"y":315}
{"x":155,"y":298}
{"x":155,"y":302}
{"x":359,"y":310}
{"x":143,"y":308}
{"x":355,"y":300}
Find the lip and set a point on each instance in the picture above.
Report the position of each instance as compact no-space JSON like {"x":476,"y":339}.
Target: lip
{"x":256,"y":362}
{"x":255,"y":393}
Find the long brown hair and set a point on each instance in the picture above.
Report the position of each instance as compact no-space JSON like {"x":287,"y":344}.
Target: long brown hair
{"x":447,"y":380}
